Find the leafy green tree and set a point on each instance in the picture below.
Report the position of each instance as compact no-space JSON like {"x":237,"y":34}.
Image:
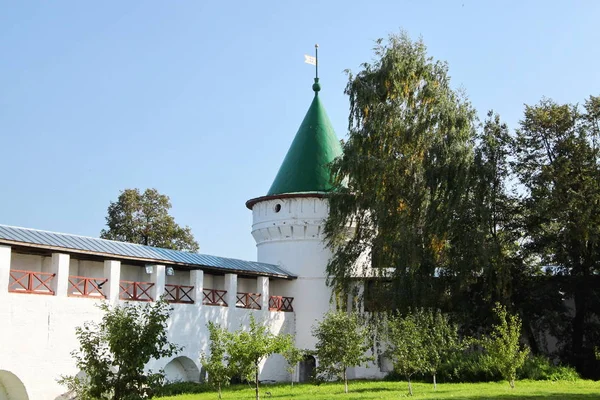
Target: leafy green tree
{"x":402,"y":175}
{"x":489,"y":218}
{"x":341,"y":344}
{"x":440,"y":339}
{"x":506,"y":273}
{"x":496,"y":210}
{"x":293,"y":356}
{"x":558,"y":165}
{"x":503,"y":347}
{"x":248,"y":348}
{"x":486,"y":261}
{"x":406,"y":346}
{"x":215,"y":363}
{"x":113,"y":353}
{"x":144,"y":218}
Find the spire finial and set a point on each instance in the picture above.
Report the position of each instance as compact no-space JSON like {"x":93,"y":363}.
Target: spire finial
{"x":317,"y":61}
{"x":316,"y":86}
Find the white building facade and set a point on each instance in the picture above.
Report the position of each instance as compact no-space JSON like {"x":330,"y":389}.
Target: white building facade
{"x":48,"y":291}
{"x":50,"y":283}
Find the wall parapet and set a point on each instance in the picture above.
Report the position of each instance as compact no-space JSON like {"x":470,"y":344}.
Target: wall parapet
{"x":31,"y":282}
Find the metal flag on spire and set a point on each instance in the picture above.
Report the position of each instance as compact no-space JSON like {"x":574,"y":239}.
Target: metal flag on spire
{"x":313,"y":60}
{"x":310,"y":59}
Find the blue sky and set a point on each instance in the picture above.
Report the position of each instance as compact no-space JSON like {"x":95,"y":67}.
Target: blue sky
{"x":201,"y":100}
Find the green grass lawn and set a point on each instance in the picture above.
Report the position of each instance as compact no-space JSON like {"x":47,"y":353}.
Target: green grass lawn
{"x":581,"y":390}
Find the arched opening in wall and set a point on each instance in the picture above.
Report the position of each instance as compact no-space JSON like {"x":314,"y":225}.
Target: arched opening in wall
{"x":182,"y":369}
{"x":11,"y":387}
{"x":307,"y":369}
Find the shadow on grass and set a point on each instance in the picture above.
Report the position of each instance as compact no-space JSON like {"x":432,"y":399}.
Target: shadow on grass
{"x":554,"y":396}
{"x":327,"y":391}
{"x":367,"y":394}
{"x":372,"y":390}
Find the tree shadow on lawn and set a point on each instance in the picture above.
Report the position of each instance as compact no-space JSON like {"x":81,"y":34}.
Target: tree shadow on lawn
{"x":372,"y":390}
{"x":554,"y":396}
{"x":377,"y":393}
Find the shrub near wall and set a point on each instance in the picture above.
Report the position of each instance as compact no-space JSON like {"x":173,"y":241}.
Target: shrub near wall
{"x":469,"y":366}
{"x":540,"y":368}
{"x":175,"y":388}
{"x":474,"y":366}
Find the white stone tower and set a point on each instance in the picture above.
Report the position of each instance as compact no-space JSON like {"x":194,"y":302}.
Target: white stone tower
{"x":288,"y":222}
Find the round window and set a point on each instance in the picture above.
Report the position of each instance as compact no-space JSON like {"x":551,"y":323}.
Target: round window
{"x":277,"y":208}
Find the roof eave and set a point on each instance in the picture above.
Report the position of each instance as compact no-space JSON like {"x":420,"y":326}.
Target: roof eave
{"x":319,"y":195}
{"x":142,"y":259}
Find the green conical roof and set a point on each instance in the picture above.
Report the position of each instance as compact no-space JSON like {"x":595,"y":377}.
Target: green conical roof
{"x":305,"y":167}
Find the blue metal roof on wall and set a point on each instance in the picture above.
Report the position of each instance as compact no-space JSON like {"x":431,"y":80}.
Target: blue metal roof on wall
{"x":75,"y":243}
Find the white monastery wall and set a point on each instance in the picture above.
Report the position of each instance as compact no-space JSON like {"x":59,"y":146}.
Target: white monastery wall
{"x":278,"y":288}
{"x":209,"y":281}
{"x":91,"y":269}
{"x":246,"y":285}
{"x":218,"y":282}
{"x":133,"y":273}
{"x":37,"y":332}
{"x":179,"y":278}
{"x":30,"y":262}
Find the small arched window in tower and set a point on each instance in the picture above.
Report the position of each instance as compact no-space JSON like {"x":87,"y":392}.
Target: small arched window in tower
{"x":277,"y":208}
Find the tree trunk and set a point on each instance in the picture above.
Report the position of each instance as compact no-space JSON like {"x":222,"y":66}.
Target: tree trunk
{"x":530,"y":335}
{"x":512,"y":383}
{"x":117,"y":394}
{"x":219,"y":387}
{"x":409,"y":387}
{"x":256,"y":380}
{"x":345,"y":381}
{"x":580,"y":297}
{"x":434,"y":383}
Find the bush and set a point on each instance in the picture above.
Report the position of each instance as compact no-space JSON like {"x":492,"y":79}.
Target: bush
{"x":175,"y":388}
{"x":475,"y":366}
{"x":540,"y":368}
{"x":503,"y":345}
{"x":564,"y":373}
{"x":469,"y":366}
{"x":462,"y":366}
{"x":112,"y":353}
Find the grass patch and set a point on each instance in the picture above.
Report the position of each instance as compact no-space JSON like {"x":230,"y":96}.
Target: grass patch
{"x":525,"y":390}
